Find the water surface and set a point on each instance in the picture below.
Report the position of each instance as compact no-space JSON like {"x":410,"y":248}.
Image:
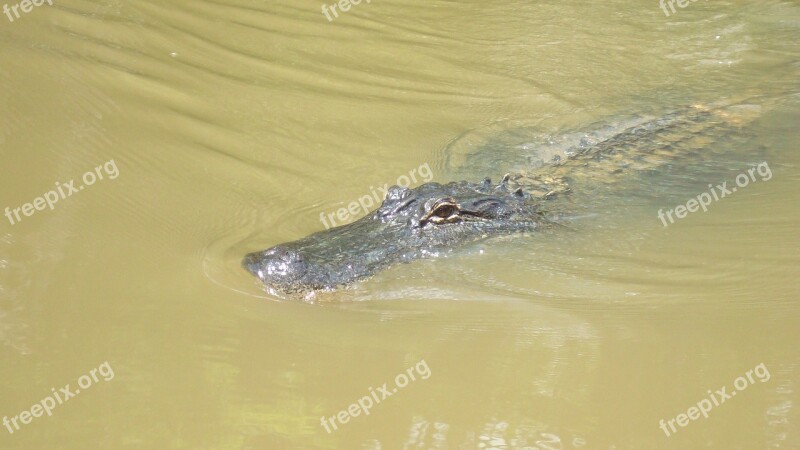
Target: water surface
{"x":235,"y":124}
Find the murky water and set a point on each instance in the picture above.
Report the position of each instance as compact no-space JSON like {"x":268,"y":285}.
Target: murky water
{"x":210,"y":129}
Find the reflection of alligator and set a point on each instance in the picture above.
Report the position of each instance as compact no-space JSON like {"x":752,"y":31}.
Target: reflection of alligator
{"x":420,"y":222}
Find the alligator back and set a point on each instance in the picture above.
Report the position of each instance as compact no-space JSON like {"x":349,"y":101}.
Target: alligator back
{"x":550,"y":165}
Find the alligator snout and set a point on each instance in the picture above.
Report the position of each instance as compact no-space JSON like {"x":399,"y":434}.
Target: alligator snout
{"x":278,"y":265}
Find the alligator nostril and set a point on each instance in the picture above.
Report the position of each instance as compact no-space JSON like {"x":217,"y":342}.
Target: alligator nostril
{"x":283,"y":262}
{"x":291,"y":256}
{"x":279,"y":252}
{"x":275,"y":263}
{"x":253,"y":262}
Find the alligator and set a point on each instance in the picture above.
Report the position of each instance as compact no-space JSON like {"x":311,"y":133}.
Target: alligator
{"x":421,"y":222}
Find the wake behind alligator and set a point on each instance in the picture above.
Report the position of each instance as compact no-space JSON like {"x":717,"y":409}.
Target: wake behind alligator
{"x":432,"y":218}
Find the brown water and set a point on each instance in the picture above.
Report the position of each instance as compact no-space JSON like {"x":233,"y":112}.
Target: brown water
{"x":228,"y":126}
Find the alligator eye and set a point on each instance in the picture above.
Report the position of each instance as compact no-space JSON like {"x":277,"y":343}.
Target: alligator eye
{"x":443,"y":211}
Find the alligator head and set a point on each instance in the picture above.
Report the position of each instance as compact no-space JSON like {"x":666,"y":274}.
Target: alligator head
{"x":409,"y":224}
